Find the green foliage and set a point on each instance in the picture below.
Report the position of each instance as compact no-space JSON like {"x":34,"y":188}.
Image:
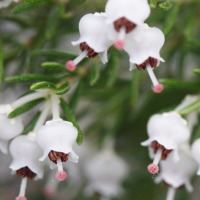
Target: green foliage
{"x":194,"y":106}
{"x":27,"y":6}
{"x":30,"y":126}
{"x":41,"y":85}
{"x":152,"y":3}
{"x":95,"y":74}
{"x":31,"y":77}
{"x":62,"y":89}
{"x":69,"y":115}
{"x":1,"y":60}
{"x":166,"y":5}
{"x":24,"y":108}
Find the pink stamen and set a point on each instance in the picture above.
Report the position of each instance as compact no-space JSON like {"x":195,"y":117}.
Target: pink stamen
{"x":152,"y":168}
{"x":119,"y":44}
{"x":61,"y":175}
{"x":70,"y":65}
{"x":158,"y":88}
{"x":21,"y":198}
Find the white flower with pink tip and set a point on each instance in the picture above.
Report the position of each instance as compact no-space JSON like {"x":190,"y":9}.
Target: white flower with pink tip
{"x":56,"y":138}
{"x":166,"y":132}
{"x":145,"y":54}
{"x":9,"y":128}
{"x":125,"y":18}
{"x":26,"y":153}
{"x":93,"y":39}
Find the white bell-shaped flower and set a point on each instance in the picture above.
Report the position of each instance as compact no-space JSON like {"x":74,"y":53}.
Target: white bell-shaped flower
{"x":105,"y":173}
{"x":166,"y":132}
{"x":9,"y":128}
{"x":195,"y":149}
{"x":125,"y":17}
{"x":26,"y":153}
{"x":6,"y":3}
{"x":93,"y":39}
{"x":56,"y":138}
{"x":146,"y":53}
{"x":180,"y":173}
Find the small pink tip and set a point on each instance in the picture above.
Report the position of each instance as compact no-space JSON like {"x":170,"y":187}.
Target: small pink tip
{"x":152,"y":168}
{"x":49,"y":192}
{"x":21,"y":198}
{"x":119,"y":44}
{"x":158,"y":88}
{"x":61,"y":175}
{"x":70,"y":65}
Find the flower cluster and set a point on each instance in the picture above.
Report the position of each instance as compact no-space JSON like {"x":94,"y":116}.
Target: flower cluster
{"x":169,"y":145}
{"x":122,"y":25}
{"x":55,"y":139}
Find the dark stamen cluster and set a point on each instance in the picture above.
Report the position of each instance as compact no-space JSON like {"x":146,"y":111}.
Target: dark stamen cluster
{"x":165,"y":152}
{"x":124,"y":22}
{"x":91,"y":52}
{"x":26,"y":172}
{"x":54,"y":155}
{"x":152,"y":61}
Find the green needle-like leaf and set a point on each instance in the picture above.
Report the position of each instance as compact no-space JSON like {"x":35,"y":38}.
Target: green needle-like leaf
{"x":1,"y":61}
{"x":73,"y":3}
{"x":27,"y":6}
{"x":31,"y":77}
{"x":94,"y":74}
{"x":29,"y":127}
{"x":52,"y":22}
{"x":69,"y":115}
{"x":177,"y":84}
{"x":22,"y":109}
{"x":135,"y":87}
{"x":171,"y":19}
{"x":54,"y":66}
{"x":196,"y":71}
{"x":192,"y":107}
{"x":62,"y":89}
{"x":41,"y":85}
{"x":75,"y":97}
{"x":113,"y":67}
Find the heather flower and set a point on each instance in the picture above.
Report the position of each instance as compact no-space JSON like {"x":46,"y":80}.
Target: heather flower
{"x":125,"y":17}
{"x":179,"y":173}
{"x":26,"y":153}
{"x":9,"y":128}
{"x":166,"y":132}
{"x":56,"y":138}
{"x":93,"y":39}
{"x":105,"y":172}
{"x":195,"y":149}
{"x":145,"y":54}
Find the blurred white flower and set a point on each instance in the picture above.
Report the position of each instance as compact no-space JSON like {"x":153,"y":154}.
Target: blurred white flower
{"x":9,"y":128}
{"x":93,"y":39}
{"x":166,"y":132}
{"x":6,"y":3}
{"x":105,"y":173}
{"x":195,"y":149}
